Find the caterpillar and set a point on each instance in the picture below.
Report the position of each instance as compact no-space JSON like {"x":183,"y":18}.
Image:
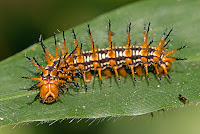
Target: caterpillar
{"x":64,"y":69}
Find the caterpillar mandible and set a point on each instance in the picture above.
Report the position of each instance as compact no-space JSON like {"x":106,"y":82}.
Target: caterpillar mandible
{"x":64,"y":69}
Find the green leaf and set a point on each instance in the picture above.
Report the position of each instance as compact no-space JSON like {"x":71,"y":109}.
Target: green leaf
{"x":113,"y":98}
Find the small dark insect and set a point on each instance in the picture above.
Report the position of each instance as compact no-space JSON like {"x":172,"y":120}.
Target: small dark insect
{"x":183,"y":99}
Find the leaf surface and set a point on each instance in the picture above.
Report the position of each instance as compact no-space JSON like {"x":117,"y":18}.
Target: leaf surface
{"x":114,"y":98}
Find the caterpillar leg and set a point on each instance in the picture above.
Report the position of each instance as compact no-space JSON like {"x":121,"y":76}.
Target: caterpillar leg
{"x":89,"y":76}
{"x":132,"y":71}
{"x":99,"y":74}
{"x":122,"y":72}
{"x":107,"y":72}
{"x":139,"y":71}
{"x":157,"y":70}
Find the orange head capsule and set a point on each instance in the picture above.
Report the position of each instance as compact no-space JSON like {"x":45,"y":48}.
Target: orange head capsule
{"x":49,"y":93}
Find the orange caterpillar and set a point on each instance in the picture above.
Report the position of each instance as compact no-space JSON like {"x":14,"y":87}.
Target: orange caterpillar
{"x":61,"y":70}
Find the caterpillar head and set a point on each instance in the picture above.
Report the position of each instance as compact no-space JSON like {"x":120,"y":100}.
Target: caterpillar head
{"x":49,"y":93}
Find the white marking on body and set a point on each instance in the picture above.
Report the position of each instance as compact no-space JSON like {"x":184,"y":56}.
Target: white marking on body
{"x":100,"y":56}
{"x":120,"y":54}
{"x":117,"y":54}
{"x":75,"y":60}
{"x":138,"y":53}
{"x":137,"y":60}
{"x":103,"y":56}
